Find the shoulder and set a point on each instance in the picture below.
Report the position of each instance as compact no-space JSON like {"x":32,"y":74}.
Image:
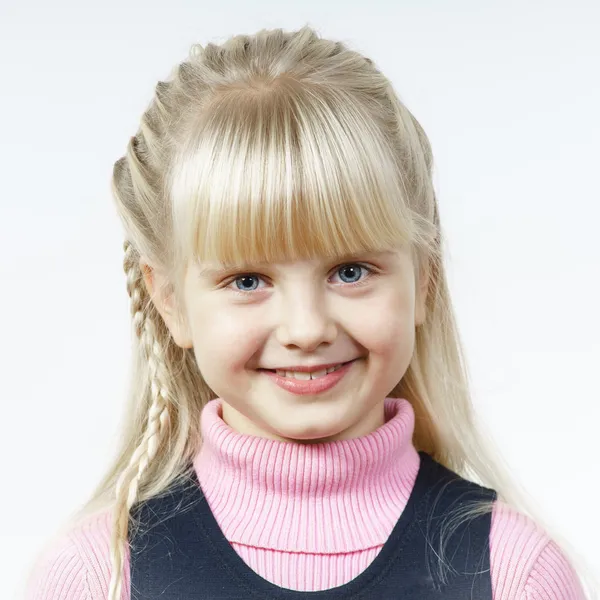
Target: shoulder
{"x":76,"y":564}
{"x":526,"y":564}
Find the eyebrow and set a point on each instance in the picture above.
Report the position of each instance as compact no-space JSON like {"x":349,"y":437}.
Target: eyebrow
{"x":205,"y":271}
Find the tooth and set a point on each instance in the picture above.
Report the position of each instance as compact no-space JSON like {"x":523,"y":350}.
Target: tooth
{"x":320,"y":373}
{"x":298,"y":375}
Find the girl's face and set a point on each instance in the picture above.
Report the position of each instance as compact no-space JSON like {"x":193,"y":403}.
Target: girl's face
{"x":309,"y":313}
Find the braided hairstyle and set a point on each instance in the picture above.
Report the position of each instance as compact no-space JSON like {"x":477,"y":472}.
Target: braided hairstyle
{"x":167,"y":390}
{"x":158,"y":414}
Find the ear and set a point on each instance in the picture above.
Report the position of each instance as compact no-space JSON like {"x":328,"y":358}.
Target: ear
{"x":156,"y":283}
{"x":421,"y":296}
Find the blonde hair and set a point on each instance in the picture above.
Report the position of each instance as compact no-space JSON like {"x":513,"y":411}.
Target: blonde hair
{"x":278,"y":146}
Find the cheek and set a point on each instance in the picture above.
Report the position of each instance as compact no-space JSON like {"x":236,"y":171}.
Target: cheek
{"x":387,"y":326}
{"x":226,"y":341}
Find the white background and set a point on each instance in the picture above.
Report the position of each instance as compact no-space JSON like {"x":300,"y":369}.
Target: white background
{"x":509,"y":95}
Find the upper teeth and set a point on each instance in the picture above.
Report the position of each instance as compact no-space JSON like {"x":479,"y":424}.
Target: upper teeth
{"x":306,"y":376}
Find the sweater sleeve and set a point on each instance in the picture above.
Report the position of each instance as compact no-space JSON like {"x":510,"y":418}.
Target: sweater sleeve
{"x":526,"y":564}
{"x":59,"y":574}
{"x":552,"y":577}
{"x":77,"y":565}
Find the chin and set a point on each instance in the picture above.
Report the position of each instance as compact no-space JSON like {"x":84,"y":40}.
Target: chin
{"x":310,"y":437}
{"x":310,"y":433}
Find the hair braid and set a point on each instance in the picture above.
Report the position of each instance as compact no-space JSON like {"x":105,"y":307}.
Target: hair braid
{"x":157,"y":422}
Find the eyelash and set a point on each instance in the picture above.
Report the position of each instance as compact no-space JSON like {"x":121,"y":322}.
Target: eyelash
{"x":371,"y":273}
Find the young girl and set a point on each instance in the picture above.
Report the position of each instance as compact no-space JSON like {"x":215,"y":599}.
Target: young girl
{"x":299,"y":423}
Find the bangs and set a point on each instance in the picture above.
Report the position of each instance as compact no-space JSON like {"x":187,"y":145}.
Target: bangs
{"x":286,"y":173}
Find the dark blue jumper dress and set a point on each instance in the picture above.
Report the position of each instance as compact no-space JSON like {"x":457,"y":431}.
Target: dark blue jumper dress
{"x":180,"y":553}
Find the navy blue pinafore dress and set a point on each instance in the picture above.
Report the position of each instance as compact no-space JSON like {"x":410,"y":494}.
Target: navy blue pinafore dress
{"x":179,"y":552}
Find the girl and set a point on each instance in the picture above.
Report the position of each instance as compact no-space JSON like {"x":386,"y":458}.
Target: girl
{"x":299,"y":423}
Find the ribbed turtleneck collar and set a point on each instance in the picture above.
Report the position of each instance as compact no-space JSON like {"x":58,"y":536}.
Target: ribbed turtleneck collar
{"x":331,"y":497}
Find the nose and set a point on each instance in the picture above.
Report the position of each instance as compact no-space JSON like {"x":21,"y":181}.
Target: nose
{"x":305,"y":321}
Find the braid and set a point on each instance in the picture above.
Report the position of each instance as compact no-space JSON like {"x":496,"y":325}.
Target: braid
{"x":134,"y":290}
{"x":157,"y":424}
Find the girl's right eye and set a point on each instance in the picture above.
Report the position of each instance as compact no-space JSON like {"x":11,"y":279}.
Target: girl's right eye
{"x":244,"y":282}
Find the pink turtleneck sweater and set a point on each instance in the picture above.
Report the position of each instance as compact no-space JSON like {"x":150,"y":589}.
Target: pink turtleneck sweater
{"x":310,"y":517}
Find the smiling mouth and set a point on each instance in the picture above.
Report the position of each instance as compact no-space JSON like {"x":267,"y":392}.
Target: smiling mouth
{"x":303,"y":376}
{"x":309,"y":384}
{"x":306,"y":376}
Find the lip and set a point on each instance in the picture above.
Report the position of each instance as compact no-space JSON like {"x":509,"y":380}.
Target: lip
{"x":311,"y":386}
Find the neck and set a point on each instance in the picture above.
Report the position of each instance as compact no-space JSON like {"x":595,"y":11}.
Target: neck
{"x":350,"y":488}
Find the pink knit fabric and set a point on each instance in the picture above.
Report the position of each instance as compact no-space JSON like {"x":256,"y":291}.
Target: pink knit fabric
{"x":320,"y":514}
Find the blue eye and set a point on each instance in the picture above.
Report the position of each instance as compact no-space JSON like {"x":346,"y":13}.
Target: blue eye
{"x":245,"y":279}
{"x":354,"y":270}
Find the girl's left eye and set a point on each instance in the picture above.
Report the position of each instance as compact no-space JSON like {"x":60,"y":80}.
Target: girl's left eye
{"x":350,"y":274}
{"x":354,"y":269}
